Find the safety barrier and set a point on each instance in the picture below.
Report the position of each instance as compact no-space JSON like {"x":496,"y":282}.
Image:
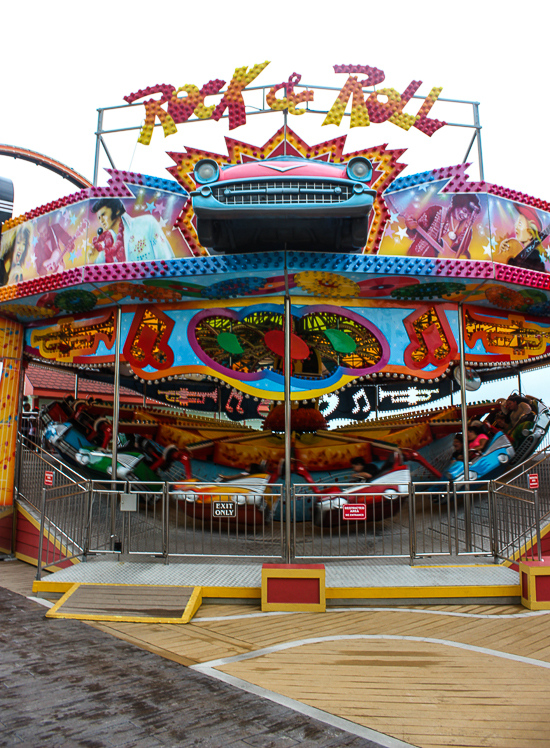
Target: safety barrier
{"x":176,"y":520}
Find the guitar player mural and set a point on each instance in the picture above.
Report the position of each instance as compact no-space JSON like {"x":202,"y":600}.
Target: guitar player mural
{"x":524,"y":244}
{"x":427,"y":221}
{"x":444,"y":231}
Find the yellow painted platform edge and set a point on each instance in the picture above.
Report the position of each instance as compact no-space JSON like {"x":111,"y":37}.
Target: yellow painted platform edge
{"x":113,"y":618}
{"x":193,"y":605}
{"x":44,"y":585}
{"x":5,"y":550}
{"x":351,"y":593}
{"x":34,"y":562}
{"x":294,"y":607}
{"x":509,"y":590}
{"x":52,"y":585}
{"x":52,"y":612}
{"x":6,"y":511}
{"x":194,"y":599}
{"x":246,"y":592}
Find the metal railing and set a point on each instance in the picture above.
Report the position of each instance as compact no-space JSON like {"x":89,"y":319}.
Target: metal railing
{"x":80,"y":517}
{"x":63,"y":526}
{"x":339,"y":521}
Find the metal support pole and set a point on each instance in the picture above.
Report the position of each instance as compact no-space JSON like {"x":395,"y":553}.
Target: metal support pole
{"x":494,"y":521}
{"x":144,"y":394}
{"x":537,"y":523}
{"x":477,"y":124}
{"x":376,"y":400}
{"x":41,"y":538}
{"x":288,"y":416}
{"x":464,"y":418}
{"x":98,"y":144}
{"x":76,"y":386}
{"x":87,"y":526}
{"x":519,"y":381}
{"x":463,"y":402}
{"x":412,"y":527}
{"x":116,"y":411}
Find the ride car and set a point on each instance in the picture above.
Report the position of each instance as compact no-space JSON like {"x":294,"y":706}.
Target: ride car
{"x":283,"y":202}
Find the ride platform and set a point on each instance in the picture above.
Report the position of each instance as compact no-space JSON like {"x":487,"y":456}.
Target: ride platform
{"x":348,"y":582}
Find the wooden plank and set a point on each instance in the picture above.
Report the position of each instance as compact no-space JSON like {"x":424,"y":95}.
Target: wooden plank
{"x":435,"y":700}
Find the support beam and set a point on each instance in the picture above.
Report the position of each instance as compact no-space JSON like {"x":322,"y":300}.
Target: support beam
{"x":288,"y":416}
{"x":116,"y":412}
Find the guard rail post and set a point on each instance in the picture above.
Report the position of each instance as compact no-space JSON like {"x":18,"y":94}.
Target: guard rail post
{"x":537,"y":523}
{"x":165,"y":521}
{"x":412,"y":524}
{"x":493,"y":520}
{"x":41,"y":536}
{"x":87,"y":527}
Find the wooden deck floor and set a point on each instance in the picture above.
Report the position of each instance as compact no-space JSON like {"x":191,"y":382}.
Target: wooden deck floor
{"x":420,"y":674}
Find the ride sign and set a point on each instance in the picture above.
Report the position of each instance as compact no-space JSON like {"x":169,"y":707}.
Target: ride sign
{"x":48,"y":477}
{"x":533,"y":481}
{"x":224,"y":509}
{"x":354,"y":511}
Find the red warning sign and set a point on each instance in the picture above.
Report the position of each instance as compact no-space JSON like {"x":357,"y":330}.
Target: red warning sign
{"x":533,"y":481}
{"x":48,"y":478}
{"x":354,"y":511}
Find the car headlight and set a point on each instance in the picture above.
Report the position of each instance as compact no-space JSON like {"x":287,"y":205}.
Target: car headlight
{"x":359,"y":168}
{"x":207,"y":170}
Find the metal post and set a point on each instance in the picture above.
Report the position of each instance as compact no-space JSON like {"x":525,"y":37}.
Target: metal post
{"x":412,"y":527}
{"x":87,"y":526}
{"x":288,"y":415}
{"x":76,"y":386}
{"x":116,"y":411}
{"x":376,"y":400}
{"x":519,"y":381}
{"x":41,"y":537}
{"x":464,"y":418}
{"x":463,"y":402}
{"x":98,"y":144}
{"x":537,"y":523}
{"x":144,"y":394}
{"x":494,"y":526}
{"x":477,"y":123}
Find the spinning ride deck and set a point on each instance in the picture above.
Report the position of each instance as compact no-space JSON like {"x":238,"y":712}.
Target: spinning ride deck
{"x":346,"y":581}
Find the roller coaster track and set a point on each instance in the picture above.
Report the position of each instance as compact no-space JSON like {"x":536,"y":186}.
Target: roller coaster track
{"x":48,"y":163}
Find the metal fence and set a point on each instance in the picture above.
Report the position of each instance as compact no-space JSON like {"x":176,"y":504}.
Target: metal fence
{"x":172,"y":521}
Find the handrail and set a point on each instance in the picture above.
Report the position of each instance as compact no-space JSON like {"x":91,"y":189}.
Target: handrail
{"x":544,"y":453}
{"x":39,"y":451}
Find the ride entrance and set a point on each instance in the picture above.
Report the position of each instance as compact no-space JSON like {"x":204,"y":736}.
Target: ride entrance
{"x":266,"y":304}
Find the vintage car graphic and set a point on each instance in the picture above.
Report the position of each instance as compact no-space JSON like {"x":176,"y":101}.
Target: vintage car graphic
{"x":286,"y":201}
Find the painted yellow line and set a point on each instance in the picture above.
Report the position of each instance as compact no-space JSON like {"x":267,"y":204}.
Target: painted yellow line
{"x":505,"y":590}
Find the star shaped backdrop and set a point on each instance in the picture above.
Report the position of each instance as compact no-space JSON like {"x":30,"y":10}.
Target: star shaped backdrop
{"x":385,"y":163}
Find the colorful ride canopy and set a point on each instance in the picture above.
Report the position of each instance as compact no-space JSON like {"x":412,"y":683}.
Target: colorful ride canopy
{"x":437,"y":246}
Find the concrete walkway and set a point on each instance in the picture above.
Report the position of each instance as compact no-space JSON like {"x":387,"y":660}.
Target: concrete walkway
{"x":68,"y":685}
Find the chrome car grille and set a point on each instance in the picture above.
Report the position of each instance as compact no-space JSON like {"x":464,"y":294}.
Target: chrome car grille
{"x":282,"y":193}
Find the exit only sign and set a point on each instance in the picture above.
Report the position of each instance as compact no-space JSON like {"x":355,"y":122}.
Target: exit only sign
{"x":533,"y":481}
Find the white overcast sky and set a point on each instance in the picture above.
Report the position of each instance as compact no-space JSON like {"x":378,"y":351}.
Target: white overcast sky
{"x":61,"y":60}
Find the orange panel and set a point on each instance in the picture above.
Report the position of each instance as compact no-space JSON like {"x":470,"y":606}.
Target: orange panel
{"x":11,"y":346}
